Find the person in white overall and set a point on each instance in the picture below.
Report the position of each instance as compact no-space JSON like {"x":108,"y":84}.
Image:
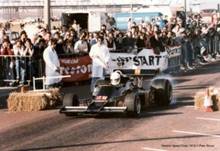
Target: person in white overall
{"x":52,"y":64}
{"x":100,"y":56}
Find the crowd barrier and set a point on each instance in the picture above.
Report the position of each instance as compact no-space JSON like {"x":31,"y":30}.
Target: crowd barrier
{"x":174,"y":62}
{"x":79,"y":66}
{"x":15,"y":69}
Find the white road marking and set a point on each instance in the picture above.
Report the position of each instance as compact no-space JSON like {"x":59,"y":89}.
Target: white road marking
{"x":189,"y":106}
{"x":185,"y":101}
{"x":208,"y":119}
{"x":152,"y":149}
{"x":196,"y":133}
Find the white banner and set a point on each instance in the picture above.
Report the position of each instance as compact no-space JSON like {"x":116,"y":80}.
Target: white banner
{"x":145,"y":59}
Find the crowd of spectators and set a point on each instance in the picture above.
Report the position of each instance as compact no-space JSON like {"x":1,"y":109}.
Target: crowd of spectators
{"x":199,"y":43}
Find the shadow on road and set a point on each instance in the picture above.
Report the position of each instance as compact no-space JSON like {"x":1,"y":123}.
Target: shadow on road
{"x":109,"y":142}
{"x":211,"y":68}
{"x":188,"y":87}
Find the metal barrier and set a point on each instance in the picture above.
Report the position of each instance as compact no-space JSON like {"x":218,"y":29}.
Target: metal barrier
{"x":15,"y":69}
{"x":174,"y":58}
{"x":44,"y":80}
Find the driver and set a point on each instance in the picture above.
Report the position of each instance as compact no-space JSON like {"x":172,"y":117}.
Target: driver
{"x":115,"y":78}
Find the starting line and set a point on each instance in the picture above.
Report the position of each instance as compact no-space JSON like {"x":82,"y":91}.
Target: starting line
{"x":196,"y":133}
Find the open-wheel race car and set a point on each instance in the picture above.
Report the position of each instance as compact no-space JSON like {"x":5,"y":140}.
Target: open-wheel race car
{"x":122,"y":92}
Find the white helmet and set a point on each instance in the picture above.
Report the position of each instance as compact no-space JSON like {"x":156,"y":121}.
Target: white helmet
{"x":115,"y":78}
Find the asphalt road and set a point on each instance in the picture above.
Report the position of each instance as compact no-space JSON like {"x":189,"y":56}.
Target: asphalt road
{"x":177,"y":128}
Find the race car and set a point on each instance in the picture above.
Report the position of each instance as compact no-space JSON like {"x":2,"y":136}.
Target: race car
{"x":122,"y":92}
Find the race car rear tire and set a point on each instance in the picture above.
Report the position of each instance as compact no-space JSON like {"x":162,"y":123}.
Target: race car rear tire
{"x":162,"y":92}
{"x":133,"y":104}
{"x":70,"y":99}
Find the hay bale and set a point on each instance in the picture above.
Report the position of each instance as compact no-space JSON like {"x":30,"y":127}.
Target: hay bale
{"x":199,"y":100}
{"x":216,"y":103}
{"x":200,"y":97}
{"x":33,"y":101}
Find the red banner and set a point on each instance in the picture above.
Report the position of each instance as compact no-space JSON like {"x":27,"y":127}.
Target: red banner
{"x":79,"y":67}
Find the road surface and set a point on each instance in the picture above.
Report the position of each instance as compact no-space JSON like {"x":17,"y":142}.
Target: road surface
{"x":177,"y":128}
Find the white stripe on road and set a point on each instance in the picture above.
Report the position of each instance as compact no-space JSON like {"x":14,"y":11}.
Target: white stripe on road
{"x":196,"y":133}
{"x":185,"y":101}
{"x":208,"y":119}
{"x":152,"y":149}
{"x":189,"y":106}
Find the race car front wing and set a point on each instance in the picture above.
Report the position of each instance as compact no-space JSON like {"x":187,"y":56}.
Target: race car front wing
{"x":85,"y":109}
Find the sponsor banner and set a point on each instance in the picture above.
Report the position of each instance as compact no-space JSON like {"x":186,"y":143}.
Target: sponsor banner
{"x":79,"y":67}
{"x":144,"y":60}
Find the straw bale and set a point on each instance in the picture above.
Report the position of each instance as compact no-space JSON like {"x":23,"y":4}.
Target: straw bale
{"x":200,"y":96}
{"x":199,"y":100}
{"x":33,"y":101}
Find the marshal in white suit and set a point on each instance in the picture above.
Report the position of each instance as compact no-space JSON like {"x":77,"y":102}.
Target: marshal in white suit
{"x":52,"y":65}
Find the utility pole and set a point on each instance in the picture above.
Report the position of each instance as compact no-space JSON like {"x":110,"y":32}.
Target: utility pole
{"x":185,"y":10}
{"x":131,"y":11}
{"x":218,"y":9}
{"x":47,"y":13}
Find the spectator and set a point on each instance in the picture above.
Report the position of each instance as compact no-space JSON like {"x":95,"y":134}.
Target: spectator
{"x":111,"y":42}
{"x":2,"y":34}
{"x":128,"y":42}
{"x":212,"y":38}
{"x":119,"y":42}
{"x":156,"y":42}
{"x":47,"y":36}
{"x":186,"y":51}
{"x":94,"y":39}
{"x":5,"y":48}
{"x":140,"y":42}
{"x":39,"y":48}
{"x":8,"y":62}
{"x":103,"y":29}
{"x":22,"y":53}
{"x":81,"y":46}
{"x":30,"y":52}
{"x":60,"y":44}
{"x":17,"y":49}
{"x":76,"y":26}
{"x":68,"y":47}
{"x":129,"y":24}
{"x":23,"y":38}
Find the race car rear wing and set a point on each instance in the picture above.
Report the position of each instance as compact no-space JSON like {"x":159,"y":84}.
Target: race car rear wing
{"x":140,"y":72}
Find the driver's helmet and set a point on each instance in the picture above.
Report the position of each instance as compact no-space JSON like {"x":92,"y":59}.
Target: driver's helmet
{"x":115,"y":78}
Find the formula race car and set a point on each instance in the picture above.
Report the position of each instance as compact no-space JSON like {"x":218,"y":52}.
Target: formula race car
{"x":122,"y":92}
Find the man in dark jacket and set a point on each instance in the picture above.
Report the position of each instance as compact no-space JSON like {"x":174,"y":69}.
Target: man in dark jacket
{"x":128,"y":42}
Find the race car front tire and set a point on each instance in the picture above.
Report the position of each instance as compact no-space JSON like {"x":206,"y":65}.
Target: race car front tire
{"x":70,"y":99}
{"x":133,"y":104}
